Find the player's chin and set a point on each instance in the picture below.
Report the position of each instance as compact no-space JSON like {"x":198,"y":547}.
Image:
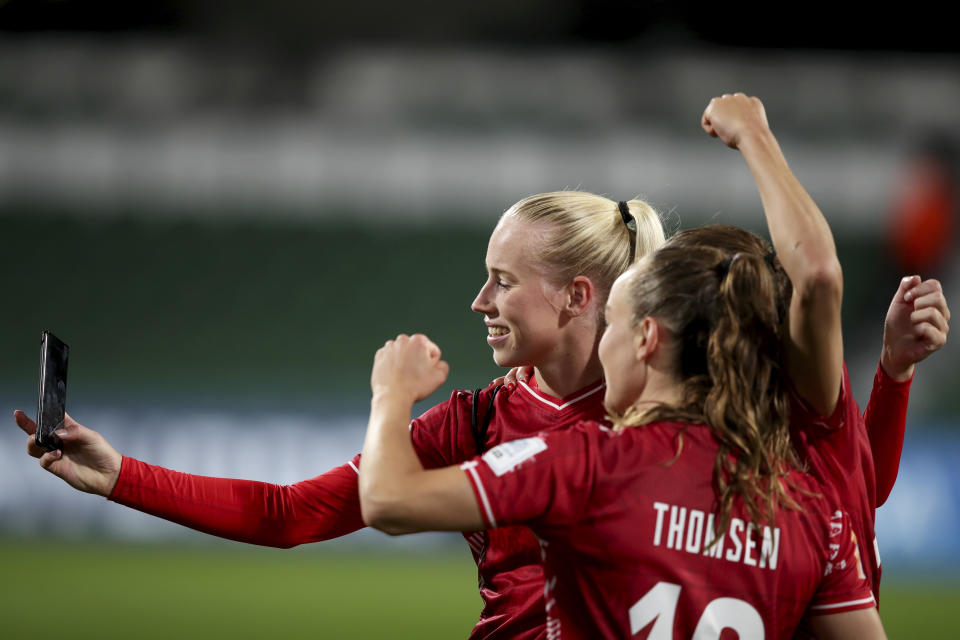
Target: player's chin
{"x":506,"y":358}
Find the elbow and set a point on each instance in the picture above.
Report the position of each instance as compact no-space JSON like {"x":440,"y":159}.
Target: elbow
{"x":821,"y":283}
{"x":384,"y":511}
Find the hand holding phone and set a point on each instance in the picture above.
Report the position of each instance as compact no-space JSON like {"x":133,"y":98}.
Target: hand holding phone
{"x":52,"y":399}
{"x":83,"y":458}
{"x":87,"y":461}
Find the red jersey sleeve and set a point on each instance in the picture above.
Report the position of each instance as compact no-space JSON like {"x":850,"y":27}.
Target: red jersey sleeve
{"x":324,"y":507}
{"x":546,"y":479}
{"x":443,"y":435}
{"x":428,"y":433}
{"x":842,"y":438}
{"x":886,"y":419}
{"x":802,"y":414}
{"x":844,"y":586}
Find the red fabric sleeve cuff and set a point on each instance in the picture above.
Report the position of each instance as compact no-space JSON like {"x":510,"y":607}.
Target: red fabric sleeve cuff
{"x":470,"y":467}
{"x":884,"y":380}
{"x":122,"y":478}
{"x":865,"y":601}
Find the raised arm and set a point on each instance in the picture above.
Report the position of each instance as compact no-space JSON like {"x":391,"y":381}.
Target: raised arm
{"x":321,"y":508}
{"x":917,"y":324}
{"x":803,"y":242}
{"x":396,"y":494}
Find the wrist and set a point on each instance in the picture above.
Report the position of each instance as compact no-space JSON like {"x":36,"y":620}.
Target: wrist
{"x":112,"y":477}
{"x":897,"y":372}
{"x":391,"y":397}
{"x":756,"y":138}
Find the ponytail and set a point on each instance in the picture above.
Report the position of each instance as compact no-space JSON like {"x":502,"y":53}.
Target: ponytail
{"x":747,"y":406}
{"x":724,"y":310}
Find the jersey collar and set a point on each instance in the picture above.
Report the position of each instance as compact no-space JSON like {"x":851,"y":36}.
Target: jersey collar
{"x":560,"y":404}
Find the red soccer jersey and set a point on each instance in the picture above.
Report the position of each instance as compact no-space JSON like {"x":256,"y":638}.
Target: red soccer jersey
{"x":508,"y":559}
{"x":836,"y":450}
{"x":624,"y":524}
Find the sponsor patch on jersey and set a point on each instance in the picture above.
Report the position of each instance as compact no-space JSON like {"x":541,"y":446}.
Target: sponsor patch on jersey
{"x":505,"y":457}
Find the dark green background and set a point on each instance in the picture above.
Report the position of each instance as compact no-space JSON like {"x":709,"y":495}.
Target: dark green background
{"x":185,"y":311}
{"x":188,"y":311}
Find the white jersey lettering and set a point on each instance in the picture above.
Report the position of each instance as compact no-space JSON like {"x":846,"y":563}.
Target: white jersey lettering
{"x":675,"y":533}
{"x":660,"y":508}
{"x":694,"y":531}
{"x":736,"y":526}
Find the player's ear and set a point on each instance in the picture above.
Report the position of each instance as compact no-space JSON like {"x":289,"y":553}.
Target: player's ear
{"x":580,"y":294}
{"x":647,"y":338}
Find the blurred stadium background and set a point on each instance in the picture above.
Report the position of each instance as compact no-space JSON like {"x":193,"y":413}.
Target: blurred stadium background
{"x":226,"y":211}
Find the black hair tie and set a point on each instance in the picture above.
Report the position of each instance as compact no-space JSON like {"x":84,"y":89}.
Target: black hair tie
{"x":770,"y":259}
{"x":625,"y":215}
{"x":724,"y":267}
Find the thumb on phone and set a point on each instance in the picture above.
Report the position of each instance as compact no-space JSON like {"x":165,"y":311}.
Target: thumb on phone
{"x":69,"y":430}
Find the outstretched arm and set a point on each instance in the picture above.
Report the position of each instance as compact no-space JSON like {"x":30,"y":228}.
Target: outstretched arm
{"x":321,"y":508}
{"x":396,"y":494}
{"x":262,"y":513}
{"x":917,"y":325}
{"x":804,"y":244}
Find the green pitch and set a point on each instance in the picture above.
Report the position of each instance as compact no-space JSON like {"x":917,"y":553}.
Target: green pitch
{"x":126,"y":592}
{"x":117,"y":591}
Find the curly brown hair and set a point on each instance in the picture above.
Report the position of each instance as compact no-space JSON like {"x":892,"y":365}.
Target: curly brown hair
{"x":721,"y":294}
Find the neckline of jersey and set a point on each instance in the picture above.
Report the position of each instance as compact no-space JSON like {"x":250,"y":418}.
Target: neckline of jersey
{"x":560,"y":404}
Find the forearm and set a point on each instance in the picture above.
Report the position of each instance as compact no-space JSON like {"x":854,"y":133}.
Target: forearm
{"x":806,"y":249}
{"x":397,"y":495}
{"x":798,"y":229}
{"x":885,"y":418}
{"x":389,"y":461}
{"x":253,"y":512}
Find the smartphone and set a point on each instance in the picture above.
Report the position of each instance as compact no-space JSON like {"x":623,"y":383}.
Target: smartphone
{"x":53,"y":390}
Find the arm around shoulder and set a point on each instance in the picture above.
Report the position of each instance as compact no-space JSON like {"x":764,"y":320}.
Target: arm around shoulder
{"x":862,"y":624}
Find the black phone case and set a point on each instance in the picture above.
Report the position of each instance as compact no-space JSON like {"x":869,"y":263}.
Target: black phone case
{"x":52,"y":399}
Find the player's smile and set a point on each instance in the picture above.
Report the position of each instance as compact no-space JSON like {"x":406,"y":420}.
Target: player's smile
{"x":496,"y":334}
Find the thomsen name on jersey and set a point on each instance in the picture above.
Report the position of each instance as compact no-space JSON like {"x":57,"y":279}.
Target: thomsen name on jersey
{"x":692,"y":530}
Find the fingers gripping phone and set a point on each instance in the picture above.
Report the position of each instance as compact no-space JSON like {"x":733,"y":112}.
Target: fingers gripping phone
{"x":53,"y":390}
